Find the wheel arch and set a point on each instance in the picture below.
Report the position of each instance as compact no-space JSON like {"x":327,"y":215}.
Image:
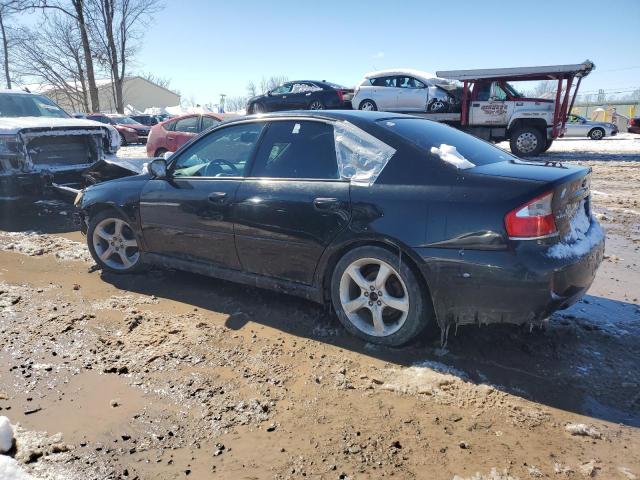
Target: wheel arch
{"x":412,"y":260}
{"x":132,"y":217}
{"x":537,"y":123}
{"x":604,"y":132}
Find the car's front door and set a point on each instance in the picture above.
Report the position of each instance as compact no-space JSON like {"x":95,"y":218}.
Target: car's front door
{"x":278,"y":98}
{"x":576,"y":126}
{"x":301,"y":95}
{"x":293,"y":204}
{"x":489,"y":106}
{"x":188,"y":215}
{"x":412,"y":95}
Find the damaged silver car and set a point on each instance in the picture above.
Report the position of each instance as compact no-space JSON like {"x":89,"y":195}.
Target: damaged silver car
{"x":42,"y":146}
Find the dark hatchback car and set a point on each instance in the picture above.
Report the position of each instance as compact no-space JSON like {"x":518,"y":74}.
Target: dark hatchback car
{"x":302,"y":95}
{"x":399,"y":222}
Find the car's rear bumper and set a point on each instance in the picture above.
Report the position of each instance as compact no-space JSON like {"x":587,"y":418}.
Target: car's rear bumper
{"x":519,"y":285}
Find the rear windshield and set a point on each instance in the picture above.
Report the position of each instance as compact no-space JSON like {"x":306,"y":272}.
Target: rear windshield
{"x":22,"y":105}
{"x":427,"y":134}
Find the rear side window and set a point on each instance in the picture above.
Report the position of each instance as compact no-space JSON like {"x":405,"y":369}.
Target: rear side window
{"x":297,"y":149}
{"x":187,"y":125}
{"x":431,"y":136}
{"x":384,"y":82}
{"x":170,"y":126}
{"x":208,"y":122}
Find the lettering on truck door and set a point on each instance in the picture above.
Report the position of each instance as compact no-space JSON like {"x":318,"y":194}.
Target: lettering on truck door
{"x":490,"y":105}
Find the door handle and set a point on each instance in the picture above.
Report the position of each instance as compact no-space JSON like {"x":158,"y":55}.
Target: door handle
{"x":217,"y":197}
{"x":322,"y":203}
{"x":476,"y":104}
{"x":170,"y":138}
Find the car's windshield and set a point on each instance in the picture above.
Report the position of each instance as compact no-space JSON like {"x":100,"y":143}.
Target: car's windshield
{"x":23,"y":105}
{"x":427,"y":135}
{"x":123,"y":120}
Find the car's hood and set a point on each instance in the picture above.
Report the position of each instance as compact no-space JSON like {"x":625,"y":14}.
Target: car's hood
{"x":257,"y":97}
{"x":9,"y":125}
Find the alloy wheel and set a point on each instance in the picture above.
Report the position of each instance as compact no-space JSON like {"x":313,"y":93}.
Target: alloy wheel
{"x":115,"y":244}
{"x":527,"y":142}
{"x":368,"y":106}
{"x":596,"y":134}
{"x":374,"y":297}
{"x":437,"y":105}
{"x":316,"y":105}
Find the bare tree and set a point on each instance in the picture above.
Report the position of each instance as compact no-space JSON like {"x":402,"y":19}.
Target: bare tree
{"x":252,"y":91}
{"x":7,"y":9}
{"x":115,"y":27}
{"x":272,"y":82}
{"x":52,"y":55}
{"x":76,"y":10}
{"x":234,"y":104}
{"x":160,"y":81}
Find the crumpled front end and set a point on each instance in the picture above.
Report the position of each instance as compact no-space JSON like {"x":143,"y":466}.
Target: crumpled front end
{"x":34,"y":159}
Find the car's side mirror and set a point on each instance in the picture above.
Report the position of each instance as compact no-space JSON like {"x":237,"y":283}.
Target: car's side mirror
{"x":269,"y":93}
{"x":158,"y":169}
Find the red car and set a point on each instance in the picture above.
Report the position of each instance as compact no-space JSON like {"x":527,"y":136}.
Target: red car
{"x":170,"y":135}
{"x":634,"y":125}
{"x":130,"y":130}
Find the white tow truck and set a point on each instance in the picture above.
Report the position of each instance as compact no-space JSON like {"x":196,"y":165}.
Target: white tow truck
{"x":492,"y":109}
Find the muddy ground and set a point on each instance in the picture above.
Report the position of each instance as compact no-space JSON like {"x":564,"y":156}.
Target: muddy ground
{"x":169,"y":375}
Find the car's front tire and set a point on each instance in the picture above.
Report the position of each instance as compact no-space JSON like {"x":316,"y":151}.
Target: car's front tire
{"x":256,"y":108}
{"x":368,"y":105}
{"x":596,"y":134}
{"x":527,"y":142}
{"x":113,"y":243}
{"x":160,"y":152}
{"x":378,"y":298}
{"x":438,"y":106}
{"x":123,"y":140}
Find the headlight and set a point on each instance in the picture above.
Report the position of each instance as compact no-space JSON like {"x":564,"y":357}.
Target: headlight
{"x":10,"y":146}
{"x":130,"y":130}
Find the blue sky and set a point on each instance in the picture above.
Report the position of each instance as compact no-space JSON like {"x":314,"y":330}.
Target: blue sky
{"x":207,"y":48}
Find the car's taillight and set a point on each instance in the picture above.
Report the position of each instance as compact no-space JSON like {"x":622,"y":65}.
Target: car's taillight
{"x":340,"y":95}
{"x":534,"y":219}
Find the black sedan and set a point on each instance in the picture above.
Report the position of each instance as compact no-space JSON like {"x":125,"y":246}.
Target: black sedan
{"x":397,"y":221}
{"x":302,"y":95}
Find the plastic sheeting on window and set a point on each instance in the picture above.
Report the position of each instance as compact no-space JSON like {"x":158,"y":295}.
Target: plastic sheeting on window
{"x":361,"y":157}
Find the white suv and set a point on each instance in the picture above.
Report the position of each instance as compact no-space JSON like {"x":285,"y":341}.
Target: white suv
{"x":405,"y":90}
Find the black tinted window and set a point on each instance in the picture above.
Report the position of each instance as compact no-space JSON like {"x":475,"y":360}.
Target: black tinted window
{"x":297,"y":149}
{"x":384,"y":81}
{"x":426,"y":134}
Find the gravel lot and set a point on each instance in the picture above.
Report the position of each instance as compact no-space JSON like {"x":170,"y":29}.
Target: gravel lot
{"x":169,"y":375}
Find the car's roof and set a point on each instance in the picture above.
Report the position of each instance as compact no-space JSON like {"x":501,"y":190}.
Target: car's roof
{"x":400,"y":71}
{"x":348,"y":115}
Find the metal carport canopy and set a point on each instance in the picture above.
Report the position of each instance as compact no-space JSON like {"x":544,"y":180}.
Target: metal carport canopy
{"x":549,"y":72}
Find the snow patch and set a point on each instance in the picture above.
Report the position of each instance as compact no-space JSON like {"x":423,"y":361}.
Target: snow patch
{"x":583,"y":430}
{"x":494,"y":474}
{"x":10,"y":470}
{"x":6,"y":436}
{"x":426,"y":377}
{"x":584,"y":234}
{"x":450,"y":154}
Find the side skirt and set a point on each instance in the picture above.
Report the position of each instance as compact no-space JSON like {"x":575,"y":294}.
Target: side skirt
{"x":282,"y":286}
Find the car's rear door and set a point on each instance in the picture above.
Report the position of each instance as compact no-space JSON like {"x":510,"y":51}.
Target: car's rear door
{"x":293,"y":203}
{"x":186,"y":128}
{"x":188,"y":215}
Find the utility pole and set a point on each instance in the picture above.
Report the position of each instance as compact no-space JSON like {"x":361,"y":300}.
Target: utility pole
{"x":221,"y":108}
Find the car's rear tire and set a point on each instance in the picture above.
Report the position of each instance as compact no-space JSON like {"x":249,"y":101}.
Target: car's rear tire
{"x":160,"y":152}
{"x":368,"y":105}
{"x":378,"y":298}
{"x":596,"y":133}
{"x":113,"y":244}
{"x":527,"y":142}
{"x":316,"y":105}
